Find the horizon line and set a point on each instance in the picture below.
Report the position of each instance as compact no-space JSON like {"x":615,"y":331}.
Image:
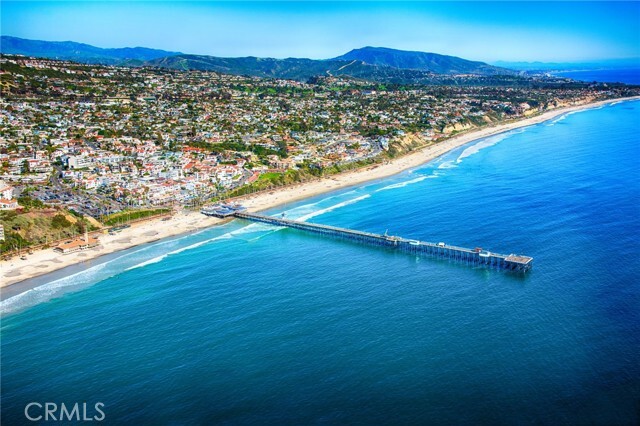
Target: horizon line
{"x":584,"y":61}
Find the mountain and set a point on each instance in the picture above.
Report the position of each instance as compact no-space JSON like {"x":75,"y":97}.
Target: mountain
{"x":433,"y":62}
{"x":369,"y":63}
{"x":289,"y":68}
{"x":80,"y":52}
{"x":305,"y":69}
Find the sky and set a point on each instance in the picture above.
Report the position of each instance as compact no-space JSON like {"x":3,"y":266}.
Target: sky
{"x":485,"y":31}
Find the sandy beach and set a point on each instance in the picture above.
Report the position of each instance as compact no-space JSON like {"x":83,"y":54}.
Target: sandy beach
{"x":46,"y":261}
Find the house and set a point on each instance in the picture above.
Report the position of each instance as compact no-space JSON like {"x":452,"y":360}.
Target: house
{"x":8,"y":204}
{"x":79,"y":161}
{"x":77,"y":244}
{"x":6,"y":191}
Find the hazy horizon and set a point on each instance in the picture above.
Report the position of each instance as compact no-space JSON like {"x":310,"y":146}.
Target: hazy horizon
{"x":601,"y":62}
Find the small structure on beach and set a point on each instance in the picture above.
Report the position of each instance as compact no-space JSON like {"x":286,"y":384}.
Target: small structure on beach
{"x":222,"y":210}
{"x":77,"y":244}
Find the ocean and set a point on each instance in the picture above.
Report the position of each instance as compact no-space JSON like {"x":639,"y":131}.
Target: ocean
{"x":250,"y":324}
{"x":627,"y":76}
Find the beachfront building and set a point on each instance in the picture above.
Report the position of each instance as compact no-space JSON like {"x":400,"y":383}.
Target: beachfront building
{"x":77,"y":244}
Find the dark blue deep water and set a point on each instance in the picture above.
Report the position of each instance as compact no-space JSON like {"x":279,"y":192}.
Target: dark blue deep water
{"x":627,"y":76}
{"x":247,"y":324}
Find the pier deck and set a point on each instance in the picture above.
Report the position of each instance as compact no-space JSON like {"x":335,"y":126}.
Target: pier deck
{"x":476,"y":256}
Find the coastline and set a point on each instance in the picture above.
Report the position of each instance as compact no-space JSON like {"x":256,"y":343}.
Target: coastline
{"x":46,"y":261}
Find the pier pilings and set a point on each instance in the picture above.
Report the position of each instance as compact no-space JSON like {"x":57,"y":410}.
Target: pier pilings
{"x":476,"y":257}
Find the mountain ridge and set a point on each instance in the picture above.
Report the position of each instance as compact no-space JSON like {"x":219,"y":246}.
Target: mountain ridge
{"x":424,"y":61}
{"x":80,"y":52}
{"x":373,"y":64}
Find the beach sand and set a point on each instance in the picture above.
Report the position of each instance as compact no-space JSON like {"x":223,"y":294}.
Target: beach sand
{"x":45,"y":261}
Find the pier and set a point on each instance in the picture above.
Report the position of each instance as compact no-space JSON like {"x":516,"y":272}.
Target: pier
{"x":475,"y":256}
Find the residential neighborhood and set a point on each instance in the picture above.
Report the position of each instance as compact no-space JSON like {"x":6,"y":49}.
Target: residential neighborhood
{"x":100,"y":139}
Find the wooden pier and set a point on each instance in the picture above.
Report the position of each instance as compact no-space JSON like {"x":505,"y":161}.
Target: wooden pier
{"x":477,"y":256}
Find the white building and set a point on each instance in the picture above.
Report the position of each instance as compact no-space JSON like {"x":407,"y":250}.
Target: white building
{"x":6,"y":191}
{"x":79,"y":161}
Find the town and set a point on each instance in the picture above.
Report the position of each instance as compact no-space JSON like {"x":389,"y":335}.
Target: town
{"x":102,"y":140}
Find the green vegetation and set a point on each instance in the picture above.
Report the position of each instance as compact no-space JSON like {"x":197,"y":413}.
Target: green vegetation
{"x":12,"y":241}
{"x":129,"y":215}
{"x":240,"y":121}
{"x":59,"y":221}
{"x":30,"y":203}
{"x":305,"y":173}
{"x":24,"y":168}
{"x":221,"y":147}
{"x":39,"y":226}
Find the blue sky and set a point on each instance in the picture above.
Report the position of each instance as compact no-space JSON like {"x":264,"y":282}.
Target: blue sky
{"x":514,"y":31}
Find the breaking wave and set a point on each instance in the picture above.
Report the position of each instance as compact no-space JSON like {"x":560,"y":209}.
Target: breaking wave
{"x":180,"y":250}
{"x":334,"y":207}
{"x":405,"y":183}
{"x":47,"y":291}
{"x":485,"y":143}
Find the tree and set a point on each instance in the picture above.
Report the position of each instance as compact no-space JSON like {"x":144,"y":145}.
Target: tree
{"x":24,"y":169}
{"x":59,"y":221}
{"x":28,"y":202}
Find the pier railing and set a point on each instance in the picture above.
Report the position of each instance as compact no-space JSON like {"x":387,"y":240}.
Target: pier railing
{"x":440,"y":250}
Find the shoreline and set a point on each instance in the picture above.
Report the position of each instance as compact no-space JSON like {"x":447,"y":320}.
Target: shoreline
{"x":43,"y":262}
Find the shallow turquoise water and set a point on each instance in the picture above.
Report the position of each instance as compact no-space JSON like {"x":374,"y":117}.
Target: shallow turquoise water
{"x":251,"y":324}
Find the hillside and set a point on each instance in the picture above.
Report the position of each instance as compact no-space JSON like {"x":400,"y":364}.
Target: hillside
{"x":38,"y":224}
{"x":290,"y":68}
{"x":369,"y":63}
{"x":432,"y":62}
{"x":305,"y":69}
{"x":80,"y":52}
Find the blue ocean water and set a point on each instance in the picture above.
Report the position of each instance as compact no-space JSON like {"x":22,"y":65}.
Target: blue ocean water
{"x":249,"y":324}
{"x":627,"y":76}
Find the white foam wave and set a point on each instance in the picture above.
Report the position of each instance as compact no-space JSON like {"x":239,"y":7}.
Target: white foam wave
{"x":254,"y":228}
{"x":334,"y":207}
{"x":148,"y":262}
{"x":311,"y":207}
{"x":447,"y":165}
{"x":302,"y":210}
{"x":201,"y":243}
{"x":156,"y":244}
{"x":403,"y":184}
{"x":100,"y":272}
{"x":264,"y":234}
{"x":47,"y":291}
{"x":562,"y":117}
{"x":552,"y":122}
{"x":177,"y":251}
{"x":486,"y":143}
